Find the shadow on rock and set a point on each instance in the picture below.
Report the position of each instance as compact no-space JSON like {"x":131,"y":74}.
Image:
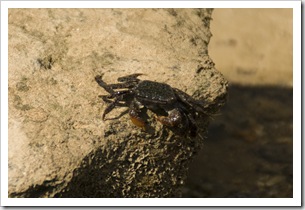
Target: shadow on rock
{"x":248,"y":152}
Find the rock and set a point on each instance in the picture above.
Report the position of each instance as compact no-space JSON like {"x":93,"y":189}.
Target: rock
{"x":59,"y":146}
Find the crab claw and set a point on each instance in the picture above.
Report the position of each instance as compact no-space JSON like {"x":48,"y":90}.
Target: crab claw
{"x":174,"y":118}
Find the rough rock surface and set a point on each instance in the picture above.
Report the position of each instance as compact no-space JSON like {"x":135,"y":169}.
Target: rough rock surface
{"x":59,"y":146}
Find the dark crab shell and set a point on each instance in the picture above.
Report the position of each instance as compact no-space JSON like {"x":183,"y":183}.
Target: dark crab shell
{"x":155,"y":92}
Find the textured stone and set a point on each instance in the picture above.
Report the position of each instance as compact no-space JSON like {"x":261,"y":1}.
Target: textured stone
{"x":59,"y":146}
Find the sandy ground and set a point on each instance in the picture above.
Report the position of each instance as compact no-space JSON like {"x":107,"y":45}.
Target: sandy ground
{"x":248,"y":152}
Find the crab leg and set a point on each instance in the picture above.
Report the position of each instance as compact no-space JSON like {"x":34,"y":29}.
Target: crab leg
{"x":185,"y":98}
{"x":106,"y":99}
{"x":109,"y":87}
{"x":103,"y":84}
{"x":121,"y":85}
{"x":129,"y":78}
{"x":113,"y":95}
{"x":110,"y":107}
{"x":192,"y":126}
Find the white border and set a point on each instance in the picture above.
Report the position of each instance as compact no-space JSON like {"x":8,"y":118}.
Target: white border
{"x":4,"y":103}
{"x":150,"y":4}
{"x":295,"y":201}
{"x":297,"y":104}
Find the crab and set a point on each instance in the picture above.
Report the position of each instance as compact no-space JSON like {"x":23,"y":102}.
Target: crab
{"x":172,"y":107}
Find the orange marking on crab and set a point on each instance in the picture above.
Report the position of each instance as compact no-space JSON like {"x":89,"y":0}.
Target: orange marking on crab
{"x":138,"y":122}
